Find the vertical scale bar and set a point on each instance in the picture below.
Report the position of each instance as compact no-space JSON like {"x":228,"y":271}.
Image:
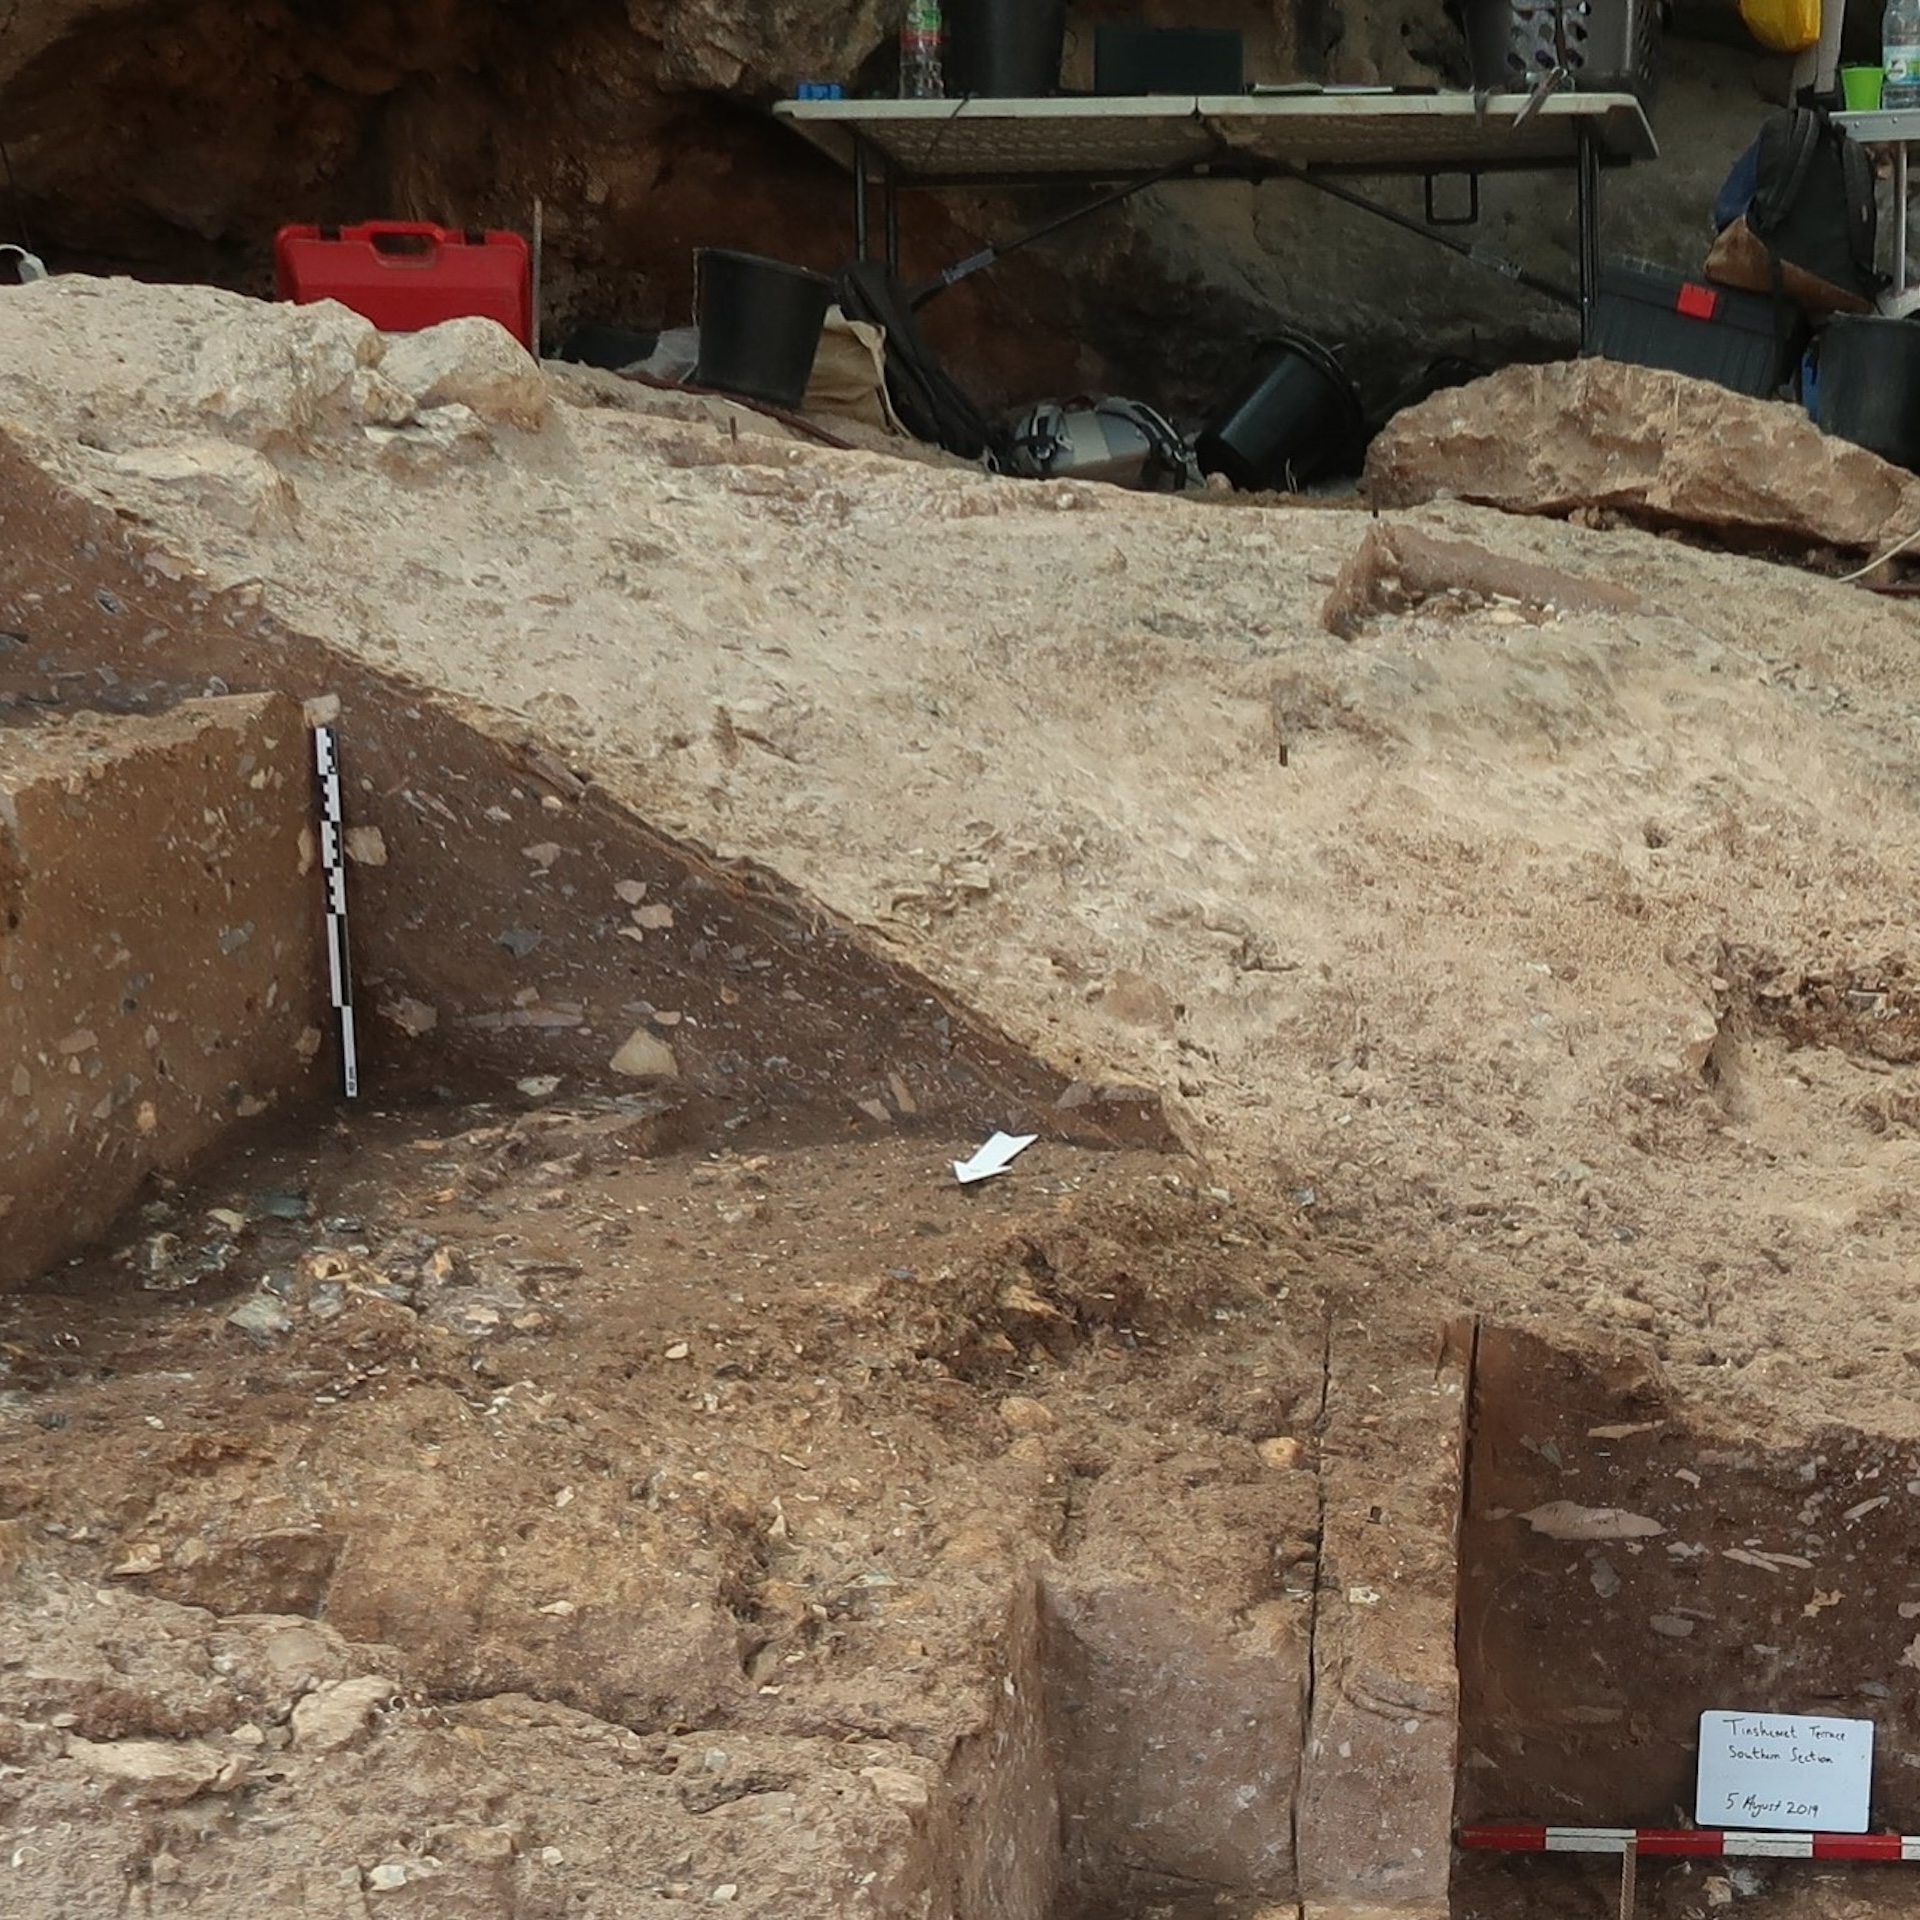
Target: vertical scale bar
{"x":333,"y":874}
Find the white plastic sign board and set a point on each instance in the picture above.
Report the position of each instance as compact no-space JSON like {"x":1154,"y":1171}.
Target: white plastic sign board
{"x":1784,"y":1771}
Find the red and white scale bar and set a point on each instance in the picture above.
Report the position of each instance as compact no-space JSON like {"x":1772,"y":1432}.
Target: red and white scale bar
{"x":1691,"y":1842}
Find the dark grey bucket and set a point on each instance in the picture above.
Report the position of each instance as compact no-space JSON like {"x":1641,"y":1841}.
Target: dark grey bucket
{"x":1004,"y":49}
{"x":1867,"y":388}
{"x":1297,"y":419}
{"x":759,"y":325}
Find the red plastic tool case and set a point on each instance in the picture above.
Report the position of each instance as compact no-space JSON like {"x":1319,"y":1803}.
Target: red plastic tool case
{"x":407,"y":274}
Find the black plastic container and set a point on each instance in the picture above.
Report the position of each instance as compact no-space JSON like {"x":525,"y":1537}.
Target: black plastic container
{"x":1610,"y":46}
{"x":1868,"y":385}
{"x":1004,"y":49}
{"x":759,"y":325}
{"x":1132,"y":60}
{"x":1655,"y":318}
{"x":1298,"y":419}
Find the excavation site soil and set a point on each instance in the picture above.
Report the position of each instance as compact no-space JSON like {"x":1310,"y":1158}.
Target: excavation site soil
{"x":1454,"y":1323}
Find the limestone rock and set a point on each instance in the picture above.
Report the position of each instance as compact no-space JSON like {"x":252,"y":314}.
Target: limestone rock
{"x":278,"y":375}
{"x":165,"y":1771}
{"x":643,"y":1057}
{"x":1019,"y":1414}
{"x":1647,"y":443}
{"x":439,"y":438}
{"x":236,"y":485}
{"x":336,"y":1715}
{"x":899,"y":1788}
{"x":473,"y":363}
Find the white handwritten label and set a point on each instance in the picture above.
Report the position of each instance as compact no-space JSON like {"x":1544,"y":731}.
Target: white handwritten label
{"x":1785,"y":1772}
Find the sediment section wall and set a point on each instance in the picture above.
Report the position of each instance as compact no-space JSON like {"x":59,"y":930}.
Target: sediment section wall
{"x":159,"y":947}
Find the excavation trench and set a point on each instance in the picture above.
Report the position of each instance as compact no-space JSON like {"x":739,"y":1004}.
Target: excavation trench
{"x":1783,"y":1577}
{"x":1213,"y":1675}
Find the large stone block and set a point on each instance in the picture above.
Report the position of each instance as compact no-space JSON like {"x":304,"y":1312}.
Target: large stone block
{"x":159,"y":953}
{"x":1656,"y":446}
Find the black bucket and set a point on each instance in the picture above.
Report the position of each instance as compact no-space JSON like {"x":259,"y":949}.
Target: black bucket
{"x":759,"y":325}
{"x":1867,"y":387}
{"x":1297,"y":419}
{"x":1004,"y":49}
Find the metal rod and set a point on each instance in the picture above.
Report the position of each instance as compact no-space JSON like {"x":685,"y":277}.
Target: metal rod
{"x":539,"y":262}
{"x":1899,"y":216}
{"x":860,"y":196}
{"x":890,"y":186}
{"x":1629,"y":1865}
{"x":998,"y":250}
{"x":1509,"y":269}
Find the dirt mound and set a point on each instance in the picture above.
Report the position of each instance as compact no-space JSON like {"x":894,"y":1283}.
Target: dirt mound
{"x":1434,"y":916}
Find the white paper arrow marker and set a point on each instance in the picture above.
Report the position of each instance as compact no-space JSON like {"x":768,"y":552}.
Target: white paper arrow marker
{"x":995,"y":1157}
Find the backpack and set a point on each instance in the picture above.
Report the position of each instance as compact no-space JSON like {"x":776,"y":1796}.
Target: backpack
{"x":1808,"y":234}
{"x":932,"y":406}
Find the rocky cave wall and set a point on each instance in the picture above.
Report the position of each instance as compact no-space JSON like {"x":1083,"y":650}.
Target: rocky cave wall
{"x":169,"y":139}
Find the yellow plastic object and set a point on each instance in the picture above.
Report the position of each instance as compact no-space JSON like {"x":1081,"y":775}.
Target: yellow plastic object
{"x":1787,"y":26}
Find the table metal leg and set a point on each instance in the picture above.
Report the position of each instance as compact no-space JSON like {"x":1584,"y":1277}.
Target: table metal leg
{"x":859,"y":197}
{"x":1900,"y":216}
{"x":891,"y":188}
{"x":1587,"y":219}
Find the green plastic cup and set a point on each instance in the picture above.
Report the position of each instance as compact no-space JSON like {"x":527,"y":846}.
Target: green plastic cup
{"x":1861,"y":88}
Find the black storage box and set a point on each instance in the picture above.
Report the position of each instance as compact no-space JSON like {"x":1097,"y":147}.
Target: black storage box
{"x":1655,"y":318}
{"x":1606,"y":46}
{"x":1867,"y":385}
{"x":1169,"y":60}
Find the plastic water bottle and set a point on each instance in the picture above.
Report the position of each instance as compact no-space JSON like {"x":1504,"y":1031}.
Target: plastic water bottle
{"x":922,"y":46}
{"x":1900,"y":54}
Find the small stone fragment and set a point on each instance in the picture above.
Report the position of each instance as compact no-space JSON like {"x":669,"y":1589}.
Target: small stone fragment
{"x":644,"y":1056}
{"x":1283,"y":1453}
{"x":492,"y":1846}
{"x":1618,"y":1306}
{"x":336,"y":1715}
{"x":1565,"y":1520}
{"x":630,"y":892}
{"x":678,"y":1351}
{"x":262,"y":1316}
{"x":655,"y":916}
{"x":1020,"y":1414}
{"x":366,"y":846}
{"x":518,"y":941}
{"x":413,"y":1017}
{"x":898,"y":1788}
{"x":539,"y":1086}
{"x":1673,"y":1625}
{"x":544,"y":854}
{"x":388,"y":1877}
{"x":164,"y":1771}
